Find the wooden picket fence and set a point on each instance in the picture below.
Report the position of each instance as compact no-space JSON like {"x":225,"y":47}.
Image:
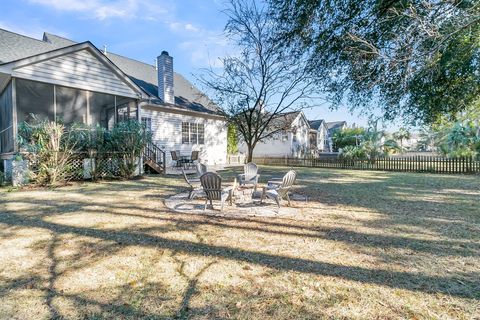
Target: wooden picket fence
{"x":430,"y":164}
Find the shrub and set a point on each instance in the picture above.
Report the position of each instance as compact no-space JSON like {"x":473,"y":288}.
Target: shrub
{"x":127,"y":140}
{"x":50,"y":148}
{"x":232,"y":142}
{"x":353,"y":153}
{"x":93,"y":141}
{"x":347,"y":137}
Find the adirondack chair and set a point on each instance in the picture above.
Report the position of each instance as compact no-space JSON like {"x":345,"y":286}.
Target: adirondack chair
{"x":201,"y":169}
{"x":277,"y":190}
{"x":212,"y":186}
{"x":250,"y":175}
{"x":193,"y":184}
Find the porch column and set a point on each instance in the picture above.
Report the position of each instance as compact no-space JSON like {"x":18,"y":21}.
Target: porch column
{"x":14,"y":115}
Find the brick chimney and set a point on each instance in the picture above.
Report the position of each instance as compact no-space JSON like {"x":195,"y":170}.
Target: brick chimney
{"x":165,"y":77}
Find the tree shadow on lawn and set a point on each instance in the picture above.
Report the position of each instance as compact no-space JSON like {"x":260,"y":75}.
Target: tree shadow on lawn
{"x":275,"y":226}
{"x":460,"y":284}
{"x":403,"y":199}
{"x":332,"y":191}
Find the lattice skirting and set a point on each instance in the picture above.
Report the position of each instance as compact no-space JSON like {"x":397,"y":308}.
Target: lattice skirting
{"x":80,"y":167}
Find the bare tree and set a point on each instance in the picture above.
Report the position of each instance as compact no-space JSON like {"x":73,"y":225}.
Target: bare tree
{"x":263,"y":81}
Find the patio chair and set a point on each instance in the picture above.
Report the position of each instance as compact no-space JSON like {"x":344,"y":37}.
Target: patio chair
{"x":175,"y":157}
{"x":201,"y":169}
{"x":193,"y":158}
{"x":250,"y":175}
{"x":212,"y":186}
{"x":277,"y":190}
{"x":193,"y":184}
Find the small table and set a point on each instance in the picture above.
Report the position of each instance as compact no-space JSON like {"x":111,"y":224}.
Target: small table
{"x":184,"y":160}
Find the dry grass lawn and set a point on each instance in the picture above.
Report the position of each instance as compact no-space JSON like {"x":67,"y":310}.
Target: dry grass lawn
{"x":367,"y":245}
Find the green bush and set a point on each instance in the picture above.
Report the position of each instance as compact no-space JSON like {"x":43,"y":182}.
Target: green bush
{"x":49,"y":146}
{"x":459,"y":139}
{"x":347,"y":137}
{"x":127,"y":141}
{"x":232,"y":139}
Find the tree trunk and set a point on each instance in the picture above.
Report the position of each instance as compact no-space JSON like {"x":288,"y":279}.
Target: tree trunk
{"x":250,"y":152}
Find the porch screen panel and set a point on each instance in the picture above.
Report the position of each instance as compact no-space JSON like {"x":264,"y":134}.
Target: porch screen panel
{"x":35,"y":98}
{"x":71,"y":105}
{"x":6,"y":120}
{"x":102,"y":109}
{"x":126,"y":109}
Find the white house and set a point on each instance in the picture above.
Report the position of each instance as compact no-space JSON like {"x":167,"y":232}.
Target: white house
{"x":333,"y":127}
{"x":56,"y":78}
{"x":293,"y":140}
{"x":319,"y":135}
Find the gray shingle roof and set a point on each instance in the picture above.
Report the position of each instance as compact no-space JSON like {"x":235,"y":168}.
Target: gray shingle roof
{"x":187,"y":96}
{"x":14,"y":46}
{"x":315,"y":124}
{"x":284,"y":120}
{"x":336,"y":125}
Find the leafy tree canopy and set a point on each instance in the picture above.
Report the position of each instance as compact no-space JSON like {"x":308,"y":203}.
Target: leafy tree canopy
{"x":416,"y":58}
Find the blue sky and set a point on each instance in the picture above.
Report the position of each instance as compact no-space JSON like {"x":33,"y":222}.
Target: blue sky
{"x":190,"y":30}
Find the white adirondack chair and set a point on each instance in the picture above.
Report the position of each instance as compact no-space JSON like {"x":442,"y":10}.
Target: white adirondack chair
{"x":277,"y":190}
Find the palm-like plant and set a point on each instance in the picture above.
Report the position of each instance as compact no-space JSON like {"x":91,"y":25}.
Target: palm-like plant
{"x":401,"y":135}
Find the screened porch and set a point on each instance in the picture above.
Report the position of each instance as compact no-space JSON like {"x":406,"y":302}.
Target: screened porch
{"x":22,"y":98}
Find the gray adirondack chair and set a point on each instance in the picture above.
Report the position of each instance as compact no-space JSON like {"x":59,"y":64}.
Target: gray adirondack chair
{"x":194,"y":186}
{"x":212,"y":186}
{"x":277,"y":190}
{"x":250,"y":175}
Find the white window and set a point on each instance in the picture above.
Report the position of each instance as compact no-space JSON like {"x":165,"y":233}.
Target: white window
{"x":201,"y":133}
{"x":185,"y":132}
{"x":147,"y":122}
{"x":193,"y":133}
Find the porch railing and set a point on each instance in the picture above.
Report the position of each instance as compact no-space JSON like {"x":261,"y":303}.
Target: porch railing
{"x":153,"y":153}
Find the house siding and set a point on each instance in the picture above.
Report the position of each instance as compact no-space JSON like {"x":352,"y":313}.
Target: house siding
{"x":276,"y":147}
{"x":167,"y":134}
{"x":322,"y":138}
{"x":80,"y":70}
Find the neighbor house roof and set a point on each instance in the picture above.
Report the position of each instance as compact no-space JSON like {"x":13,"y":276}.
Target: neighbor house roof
{"x":288,"y":117}
{"x":14,"y":46}
{"x":335,"y":125}
{"x":285,"y":120}
{"x":315,"y":124}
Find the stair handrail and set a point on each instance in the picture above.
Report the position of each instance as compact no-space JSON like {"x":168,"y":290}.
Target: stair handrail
{"x":156,"y":154}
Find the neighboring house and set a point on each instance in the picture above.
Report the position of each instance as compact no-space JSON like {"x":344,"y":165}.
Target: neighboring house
{"x":411,"y":144}
{"x":57,"y":78}
{"x":333,"y":127}
{"x":292,"y":140}
{"x":319,"y":134}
